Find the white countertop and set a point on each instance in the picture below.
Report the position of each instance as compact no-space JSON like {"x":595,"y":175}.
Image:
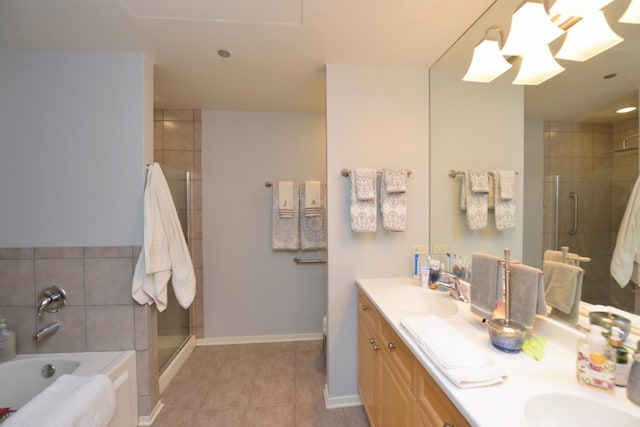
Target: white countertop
{"x":503,"y":404}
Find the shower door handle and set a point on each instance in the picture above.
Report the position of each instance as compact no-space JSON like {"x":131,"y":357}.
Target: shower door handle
{"x":574,"y":230}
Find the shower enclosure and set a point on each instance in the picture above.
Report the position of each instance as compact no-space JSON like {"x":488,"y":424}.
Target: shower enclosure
{"x":173,"y":322}
{"x":590,"y":170}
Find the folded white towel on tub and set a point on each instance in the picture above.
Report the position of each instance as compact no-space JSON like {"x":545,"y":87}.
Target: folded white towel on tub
{"x":71,"y":401}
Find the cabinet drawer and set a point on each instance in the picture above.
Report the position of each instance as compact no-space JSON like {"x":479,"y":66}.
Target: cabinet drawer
{"x":433,"y":402}
{"x":401,"y":357}
{"x":368,"y":313}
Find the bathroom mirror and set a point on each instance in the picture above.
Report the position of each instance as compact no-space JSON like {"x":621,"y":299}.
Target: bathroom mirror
{"x":566,"y":125}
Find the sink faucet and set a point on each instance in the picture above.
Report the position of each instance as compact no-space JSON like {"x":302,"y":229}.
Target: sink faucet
{"x":453,"y":284}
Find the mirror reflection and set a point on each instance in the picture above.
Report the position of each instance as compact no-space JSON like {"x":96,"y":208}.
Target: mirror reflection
{"x":578,"y":159}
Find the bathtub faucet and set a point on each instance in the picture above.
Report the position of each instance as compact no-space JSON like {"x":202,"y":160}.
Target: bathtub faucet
{"x":52,"y":300}
{"x":50,"y":329}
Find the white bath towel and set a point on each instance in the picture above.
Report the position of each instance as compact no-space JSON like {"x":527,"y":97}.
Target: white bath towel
{"x":285,"y":199}
{"x":363,"y":213}
{"x":285,"y":232}
{"x":365,"y":181}
{"x":71,"y":401}
{"x":463,"y":363}
{"x":313,"y":229}
{"x":475,"y":204}
{"x":165,"y":254}
{"x":312,"y":203}
{"x":627,"y":249}
{"x":505,"y":207}
{"x":486,"y":284}
{"x":393,"y":205}
{"x":395,"y":181}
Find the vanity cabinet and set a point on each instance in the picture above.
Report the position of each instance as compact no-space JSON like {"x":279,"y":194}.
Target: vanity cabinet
{"x":395,"y":389}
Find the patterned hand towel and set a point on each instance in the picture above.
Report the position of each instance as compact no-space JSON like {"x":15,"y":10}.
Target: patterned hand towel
{"x":285,"y":231}
{"x":395,"y":181}
{"x":313,"y":228}
{"x":393,"y":204}
{"x":505,"y":207}
{"x":479,"y":181}
{"x":476,"y":204}
{"x":364,"y":215}
{"x":365,"y":180}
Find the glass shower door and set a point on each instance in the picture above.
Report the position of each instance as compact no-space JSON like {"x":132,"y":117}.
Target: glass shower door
{"x":173,"y":322}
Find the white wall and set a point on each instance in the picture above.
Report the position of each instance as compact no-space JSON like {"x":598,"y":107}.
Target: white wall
{"x":376,"y":117}
{"x":473,"y":126}
{"x":72,"y":147}
{"x":251,"y":290}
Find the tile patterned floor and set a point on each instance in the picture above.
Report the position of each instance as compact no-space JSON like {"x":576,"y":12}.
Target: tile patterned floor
{"x":254,"y":385}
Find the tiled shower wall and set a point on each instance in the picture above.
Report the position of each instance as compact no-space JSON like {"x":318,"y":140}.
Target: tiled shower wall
{"x":581,"y":154}
{"x":100,"y":314}
{"x":178,"y":143}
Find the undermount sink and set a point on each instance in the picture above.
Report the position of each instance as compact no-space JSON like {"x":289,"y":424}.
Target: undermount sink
{"x":421,"y":301}
{"x":555,"y":409}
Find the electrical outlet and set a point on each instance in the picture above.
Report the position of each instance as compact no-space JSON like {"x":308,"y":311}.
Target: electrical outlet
{"x":419,"y":249}
{"x":440,"y":248}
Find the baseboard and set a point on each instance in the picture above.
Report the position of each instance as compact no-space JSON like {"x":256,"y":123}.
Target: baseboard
{"x":147,"y":420}
{"x":259,"y":339}
{"x":340,"y":401}
{"x":170,"y":371}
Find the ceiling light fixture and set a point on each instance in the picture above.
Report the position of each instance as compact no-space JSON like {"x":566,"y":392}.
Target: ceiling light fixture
{"x":487,"y":62}
{"x":589,"y":37}
{"x":530,"y":26}
{"x":578,"y":8}
{"x":537,"y":66}
{"x":625,"y":110}
{"x":632,"y":14}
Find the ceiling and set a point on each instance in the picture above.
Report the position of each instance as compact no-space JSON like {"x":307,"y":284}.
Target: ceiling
{"x":579,"y":93}
{"x":278,"y":47}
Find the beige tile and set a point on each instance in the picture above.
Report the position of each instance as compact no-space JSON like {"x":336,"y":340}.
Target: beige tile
{"x":179,"y":159}
{"x":310,"y":388}
{"x":157,"y":115}
{"x":16,"y":253}
{"x":197,"y":189}
{"x":108,"y":281}
{"x":582,"y":144}
{"x":316,"y":415}
{"x":277,"y":365}
{"x":310,"y":363}
{"x":273,"y":391}
{"x":142,"y":372}
{"x":170,"y":417}
{"x":178,"y":115}
{"x":22,"y":321}
{"x":144,"y":405}
{"x":196,"y":173}
{"x":355,"y":417}
{"x":108,"y":252}
{"x":582,"y":127}
{"x":602,"y":145}
{"x":237,"y":366}
{"x":71,"y":335}
{"x":199,"y":290}
{"x":67,"y":274}
{"x":196,"y":254}
{"x":272,"y":416}
{"x":63,"y":252}
{"x":141,"y":326}
{"x":158,"y":156}
{"x":110,"y":328}
{"x":560,"y":126}
{"x":157,"y":136}
{"x":560,"y":144}
{"x":221,"y":418}
{"x":225,"y":393}
{"x":189,"y":393}
{"x":197,"y":136}
{"x":197,"y":115}
{"x":17,"y":283}
{"x":309,"y":345}
{"x":177,"y":135}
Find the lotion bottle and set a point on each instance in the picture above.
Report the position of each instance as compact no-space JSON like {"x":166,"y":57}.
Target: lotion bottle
{"x":622,"y":357}
{"x":596,"y":363}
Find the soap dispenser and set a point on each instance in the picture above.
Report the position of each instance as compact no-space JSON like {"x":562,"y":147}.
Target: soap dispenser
{"x":7,"y":342}
{"x":596,"y":363}
{"x":633,"y":385}
{"x":622,"y":356}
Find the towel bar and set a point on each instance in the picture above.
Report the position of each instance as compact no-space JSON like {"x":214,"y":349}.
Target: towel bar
{"x":454,"y":173}
{"x":347,"y":172}
{"x":298,"y":260}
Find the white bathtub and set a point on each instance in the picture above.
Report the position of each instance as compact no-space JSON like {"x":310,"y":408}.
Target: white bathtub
{"x":21,"y":378}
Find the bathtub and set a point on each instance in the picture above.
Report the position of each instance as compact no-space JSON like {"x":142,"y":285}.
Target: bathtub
{"x":22,"y":378}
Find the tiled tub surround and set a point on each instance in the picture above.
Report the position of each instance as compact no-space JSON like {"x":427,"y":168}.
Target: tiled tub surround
{"x":100,"y":314}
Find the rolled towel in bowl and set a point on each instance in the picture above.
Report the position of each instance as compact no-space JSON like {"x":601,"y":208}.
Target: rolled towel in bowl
{"x":71,"y":401}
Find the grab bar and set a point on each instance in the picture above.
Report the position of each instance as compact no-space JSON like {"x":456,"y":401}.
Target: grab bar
{"x":574,"y":230}
{"x":298,"y":260}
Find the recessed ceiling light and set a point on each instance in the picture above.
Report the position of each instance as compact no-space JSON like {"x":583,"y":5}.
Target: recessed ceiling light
{"x":224,"y":53}
{"x":625,"y":110}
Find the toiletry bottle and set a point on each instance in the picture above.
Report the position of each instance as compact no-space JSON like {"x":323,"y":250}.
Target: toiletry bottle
{"x":7,"y":342}
{"x":622,"y":357}
{"x":596,"y":364}
{"x":633,"y":385}
{"x":435,"y":273}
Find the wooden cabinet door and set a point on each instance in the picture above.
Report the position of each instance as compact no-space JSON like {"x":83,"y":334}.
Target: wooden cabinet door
{"x":367,"y":370}
{"x":396,"y":401}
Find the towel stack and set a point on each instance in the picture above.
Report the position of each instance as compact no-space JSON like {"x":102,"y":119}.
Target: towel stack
{"x":484,"y":190}
{"x":393,"y":199}
{"x":363,"y":200}
{"x":463,"y":363}
{"x":504,"y":203}
{"x":474,"y":198}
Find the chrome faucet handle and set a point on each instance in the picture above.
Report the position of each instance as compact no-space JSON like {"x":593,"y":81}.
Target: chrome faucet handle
{"x":454,"y":286}
{"x":52,"y":300}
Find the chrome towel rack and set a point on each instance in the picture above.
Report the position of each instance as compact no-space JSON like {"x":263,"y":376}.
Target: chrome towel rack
{"x":347,"y":172}
{"x":299,"y":260}
{"x":454,"y":173}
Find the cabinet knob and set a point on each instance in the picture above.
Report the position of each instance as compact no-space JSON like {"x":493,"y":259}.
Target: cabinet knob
{"x":376,"y":347}
{"x":448,"y":425}
{"x":364,"y":307}
{"x":392,"y":346}
{"x":372,"y":340}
